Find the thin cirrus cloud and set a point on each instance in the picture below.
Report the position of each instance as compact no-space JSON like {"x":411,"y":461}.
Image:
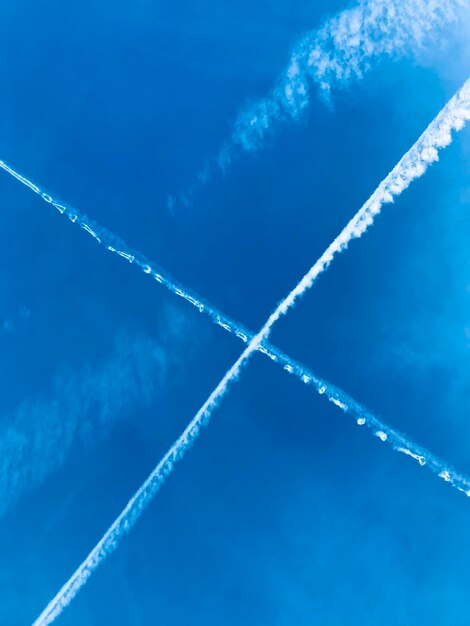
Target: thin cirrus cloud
{"x":411,"y":166}
{"x":35,"y":439}
{"x":344,"y":49}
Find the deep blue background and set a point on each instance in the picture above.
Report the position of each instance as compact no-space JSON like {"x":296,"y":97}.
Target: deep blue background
{"x":285,"y":512}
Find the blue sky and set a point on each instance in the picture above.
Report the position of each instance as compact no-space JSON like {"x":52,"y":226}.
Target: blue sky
{"x":283,"y":512}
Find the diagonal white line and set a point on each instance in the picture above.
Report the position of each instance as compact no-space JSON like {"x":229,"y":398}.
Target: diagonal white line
{"x":412,"y":165}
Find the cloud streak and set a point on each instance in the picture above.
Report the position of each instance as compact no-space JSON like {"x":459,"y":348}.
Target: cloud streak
{"x":347,"y":46}
{"x":412,"y":165}
{"x":36,"y":438}
{"x":344,"y":49}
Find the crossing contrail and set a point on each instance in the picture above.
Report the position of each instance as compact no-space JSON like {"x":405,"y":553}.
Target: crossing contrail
{"x":142,"y":498}
{"x":412,"y":165}
{"x":346,"y":47}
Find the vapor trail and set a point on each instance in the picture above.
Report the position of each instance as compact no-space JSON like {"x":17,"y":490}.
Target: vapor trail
{"x":137,"y":504}
{"x":412,"y":165}
{"x":142,"y":498}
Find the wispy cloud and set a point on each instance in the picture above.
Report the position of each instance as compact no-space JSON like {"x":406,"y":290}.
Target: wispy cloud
{"x":344,"y":49}
{"x":82,"y":407}
{"x":412,"y":165}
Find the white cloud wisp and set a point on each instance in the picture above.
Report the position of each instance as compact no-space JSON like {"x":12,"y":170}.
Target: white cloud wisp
{"x":37,"y":436}
{"x":344,"y":49}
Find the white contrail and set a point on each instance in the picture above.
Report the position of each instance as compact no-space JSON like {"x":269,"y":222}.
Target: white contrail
{"x":346,"y":47}
{"x":412,"y":165}
{"x":142,"y":498}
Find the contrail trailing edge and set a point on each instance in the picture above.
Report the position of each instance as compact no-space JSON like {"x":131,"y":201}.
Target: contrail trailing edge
{"x":412,"y":165}
{"x":346,"y":47}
